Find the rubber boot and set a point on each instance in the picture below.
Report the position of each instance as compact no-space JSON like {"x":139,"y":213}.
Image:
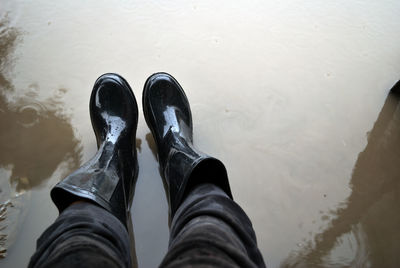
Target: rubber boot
{"x":167,"y":113}
{"x":108,"y":179}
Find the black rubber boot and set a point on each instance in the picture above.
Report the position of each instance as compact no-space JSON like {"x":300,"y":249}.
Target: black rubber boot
{"x":167,"y":113}
{"x":109,"y":178}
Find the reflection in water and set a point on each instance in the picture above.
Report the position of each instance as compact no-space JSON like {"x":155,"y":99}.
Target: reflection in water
{"x":139,"y":144}
{"x":369,"y":221}
{"x":152,"y":144}
{"x":153,"y":147}
{"x":35,"y":138}
{"x":132,"y":241}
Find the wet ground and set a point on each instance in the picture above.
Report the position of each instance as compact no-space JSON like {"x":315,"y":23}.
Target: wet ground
{"x":293,"y":96}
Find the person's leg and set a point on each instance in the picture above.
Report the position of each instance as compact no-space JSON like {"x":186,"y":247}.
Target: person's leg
{"x":84,"y":235}
{"x":94,"y":200}
{"x":208,"y":227}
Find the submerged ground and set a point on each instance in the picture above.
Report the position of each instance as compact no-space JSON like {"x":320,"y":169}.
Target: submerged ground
{"x":293,"y":96}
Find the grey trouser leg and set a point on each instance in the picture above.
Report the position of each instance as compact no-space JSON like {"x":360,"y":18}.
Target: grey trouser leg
{"x":210,"y":229}
{"x":84,"y":235}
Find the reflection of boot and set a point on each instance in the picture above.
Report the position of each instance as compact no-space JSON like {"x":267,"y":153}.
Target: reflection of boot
{"x":107,"y":179}
{"x":167,"y":113}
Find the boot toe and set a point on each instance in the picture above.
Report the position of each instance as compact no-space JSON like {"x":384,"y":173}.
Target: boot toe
{"x":165,"y":105}
{"x":112,"y":105}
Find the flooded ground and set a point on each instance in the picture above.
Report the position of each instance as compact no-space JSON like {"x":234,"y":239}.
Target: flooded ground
{"x":293,"y":96}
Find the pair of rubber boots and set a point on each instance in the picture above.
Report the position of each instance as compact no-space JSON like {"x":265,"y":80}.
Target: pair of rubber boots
{"x":109,"y":178}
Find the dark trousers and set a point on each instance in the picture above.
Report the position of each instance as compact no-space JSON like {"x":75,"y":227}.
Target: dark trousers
{"x":209,"y":229}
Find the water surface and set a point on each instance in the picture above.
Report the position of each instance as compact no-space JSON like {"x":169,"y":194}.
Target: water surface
{"x":292,"y":96}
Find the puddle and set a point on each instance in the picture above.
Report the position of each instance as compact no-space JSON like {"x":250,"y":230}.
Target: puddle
{"x":293,"y":97}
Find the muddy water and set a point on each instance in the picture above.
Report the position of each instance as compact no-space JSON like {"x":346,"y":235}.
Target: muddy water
{"x":291,"y":95}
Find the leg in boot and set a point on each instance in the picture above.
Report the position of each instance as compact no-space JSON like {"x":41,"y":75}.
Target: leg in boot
{"x":94,"y":201}
{"x":205,"y":219}
{"x":107,"y":179}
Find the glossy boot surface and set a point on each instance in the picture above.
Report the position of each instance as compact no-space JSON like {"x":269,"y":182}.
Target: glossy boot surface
{"x":108,"y":179}
{"x":167,"y":113}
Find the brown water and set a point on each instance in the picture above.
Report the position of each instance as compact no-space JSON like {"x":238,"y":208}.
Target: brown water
{"x":291,"y":95}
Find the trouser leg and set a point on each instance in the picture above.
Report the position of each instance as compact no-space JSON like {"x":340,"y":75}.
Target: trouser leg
{"x":210,"y":229}
{"x":84,"y":235}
